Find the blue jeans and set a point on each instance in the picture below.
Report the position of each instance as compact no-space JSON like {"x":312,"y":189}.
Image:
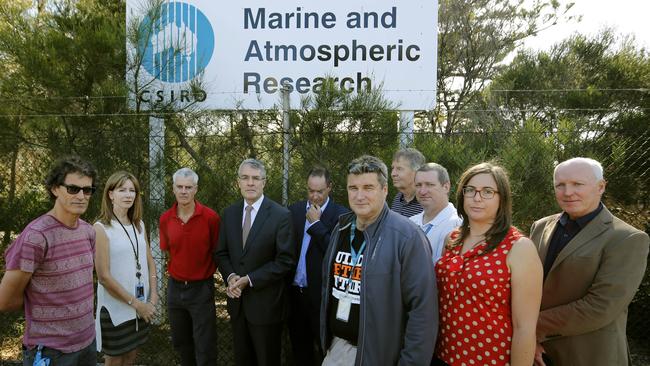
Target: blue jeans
{"x":84,"y":357}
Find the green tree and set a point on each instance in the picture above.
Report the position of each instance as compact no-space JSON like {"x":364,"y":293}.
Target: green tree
{"x":63,"y":66}
{"x":590,"y":93}
{"x":475,"y":36}
{"x":333,"y":127}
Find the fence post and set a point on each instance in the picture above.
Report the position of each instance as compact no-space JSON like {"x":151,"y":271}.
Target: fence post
{"x":157,"y":195}
{"x":286,"y":130}
{"x":406,"y":122}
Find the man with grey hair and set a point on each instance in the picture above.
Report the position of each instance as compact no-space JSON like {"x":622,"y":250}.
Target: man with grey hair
{"x":379,"y":302}
{"x":189,"y":233}
{"x":405,"y":163}
{"x":439,"y":217}
{"x":256,"y":252}
{"x":593,"y":266}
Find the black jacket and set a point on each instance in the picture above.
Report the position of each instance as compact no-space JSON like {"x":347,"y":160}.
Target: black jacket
{"x":320,"y":237}
{"x":267,"y":258}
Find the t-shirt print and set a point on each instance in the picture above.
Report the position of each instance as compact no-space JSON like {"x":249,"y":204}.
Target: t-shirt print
{"x":347,"y":276}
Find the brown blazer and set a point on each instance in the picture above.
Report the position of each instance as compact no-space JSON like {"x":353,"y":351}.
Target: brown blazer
{"x":588,"y":289}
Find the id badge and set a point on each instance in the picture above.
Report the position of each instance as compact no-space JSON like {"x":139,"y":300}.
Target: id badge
{"x":343,"y":309}
{"x":139,"y":291}
{"x":39,"y":360}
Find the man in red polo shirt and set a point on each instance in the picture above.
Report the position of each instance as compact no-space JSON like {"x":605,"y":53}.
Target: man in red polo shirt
{"x":189,"y":233}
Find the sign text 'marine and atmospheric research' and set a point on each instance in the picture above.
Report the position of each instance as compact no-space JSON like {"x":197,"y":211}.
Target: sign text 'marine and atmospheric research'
{"x":243,"y":52}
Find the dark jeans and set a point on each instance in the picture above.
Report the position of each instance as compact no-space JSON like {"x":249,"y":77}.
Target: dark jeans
{"x":84,"y":357}
{"x":192,"y":317}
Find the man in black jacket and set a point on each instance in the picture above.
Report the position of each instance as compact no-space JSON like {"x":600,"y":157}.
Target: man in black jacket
{"x":313,"y":220}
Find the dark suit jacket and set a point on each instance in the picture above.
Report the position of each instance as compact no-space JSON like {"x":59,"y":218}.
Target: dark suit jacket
{"x":320,"y":237}
{"x":588,"y":289}
{"x":267,"y":258}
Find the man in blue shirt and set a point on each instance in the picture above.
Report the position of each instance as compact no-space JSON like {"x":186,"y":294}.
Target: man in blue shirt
{"x":313,"y":221}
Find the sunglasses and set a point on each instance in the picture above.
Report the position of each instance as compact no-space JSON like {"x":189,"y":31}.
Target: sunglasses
{"x":72,"y":189}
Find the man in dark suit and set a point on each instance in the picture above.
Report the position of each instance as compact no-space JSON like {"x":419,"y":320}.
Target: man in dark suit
{"x":593,"y":265}
{"x":313,"y":220}
{"x":255,"y":254}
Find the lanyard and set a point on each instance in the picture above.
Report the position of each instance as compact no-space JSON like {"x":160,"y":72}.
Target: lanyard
{"x":428,"y":226}
{"x":355,"y":255}
{"x":136,"y":247}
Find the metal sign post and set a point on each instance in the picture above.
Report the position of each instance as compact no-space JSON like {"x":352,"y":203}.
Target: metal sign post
{"x":406,"y":123}
{"x":286,"y":140}
{"x":156,"y":190}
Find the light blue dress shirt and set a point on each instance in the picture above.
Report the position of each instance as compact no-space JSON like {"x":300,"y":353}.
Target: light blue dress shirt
{"x":300,"y":279}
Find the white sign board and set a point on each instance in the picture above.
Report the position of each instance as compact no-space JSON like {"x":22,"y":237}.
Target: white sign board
{"x":244,"y":51}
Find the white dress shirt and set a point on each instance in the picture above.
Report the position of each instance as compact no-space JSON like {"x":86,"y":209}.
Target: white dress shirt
{"x":256,"y":208}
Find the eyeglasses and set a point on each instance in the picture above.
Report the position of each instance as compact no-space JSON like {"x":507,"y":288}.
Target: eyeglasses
{"x":255,"y":178}
{"x":485,"y":193}
{"x":73,"y":189}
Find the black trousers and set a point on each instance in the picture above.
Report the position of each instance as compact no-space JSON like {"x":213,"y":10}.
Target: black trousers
{"x":256,"y":344}
{"x":192,"y":317}
{"x":304,"y":330}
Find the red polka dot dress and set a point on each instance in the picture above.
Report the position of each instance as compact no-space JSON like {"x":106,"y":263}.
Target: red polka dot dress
{"x":474,"y":301}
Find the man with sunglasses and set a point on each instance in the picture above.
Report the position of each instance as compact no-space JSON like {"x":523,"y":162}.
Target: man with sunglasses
{"x":379,"y":303}
{"x":50,"y":271}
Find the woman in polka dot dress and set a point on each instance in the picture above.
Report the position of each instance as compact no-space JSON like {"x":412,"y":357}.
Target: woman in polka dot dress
{"x":489,"y":279}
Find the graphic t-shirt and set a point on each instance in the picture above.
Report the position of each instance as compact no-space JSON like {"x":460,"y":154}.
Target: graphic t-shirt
{"x":346,"y":272}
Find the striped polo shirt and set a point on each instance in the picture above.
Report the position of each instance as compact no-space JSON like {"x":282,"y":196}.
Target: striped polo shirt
{"x":404,"y":208}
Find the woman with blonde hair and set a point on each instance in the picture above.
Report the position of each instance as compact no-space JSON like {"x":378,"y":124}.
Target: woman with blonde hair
{"x":489,"y":279}
{"x":126,"y":289}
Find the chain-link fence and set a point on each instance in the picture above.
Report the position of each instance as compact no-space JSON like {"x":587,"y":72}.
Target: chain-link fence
{"x":213,"y":144}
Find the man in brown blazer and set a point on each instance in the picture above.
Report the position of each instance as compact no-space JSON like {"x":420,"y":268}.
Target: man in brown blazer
{"x":593,"y":265}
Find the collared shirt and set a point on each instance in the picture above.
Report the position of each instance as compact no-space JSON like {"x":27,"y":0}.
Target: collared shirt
{"x":565,"y":231}
{"x":256,"y":208}
{"x":404,"y":208}
{"x":437,"y":229}
{"x":301,"y":271}
{"x":190,"y":244}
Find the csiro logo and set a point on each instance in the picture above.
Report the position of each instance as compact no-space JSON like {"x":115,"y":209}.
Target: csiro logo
{"x":178,"y":42}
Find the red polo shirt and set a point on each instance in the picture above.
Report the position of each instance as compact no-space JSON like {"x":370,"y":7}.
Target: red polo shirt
{"x":191,"y":244}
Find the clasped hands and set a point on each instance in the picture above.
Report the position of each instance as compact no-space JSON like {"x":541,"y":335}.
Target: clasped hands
{"x":145,"y":310}
{"x":236,"y":284}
